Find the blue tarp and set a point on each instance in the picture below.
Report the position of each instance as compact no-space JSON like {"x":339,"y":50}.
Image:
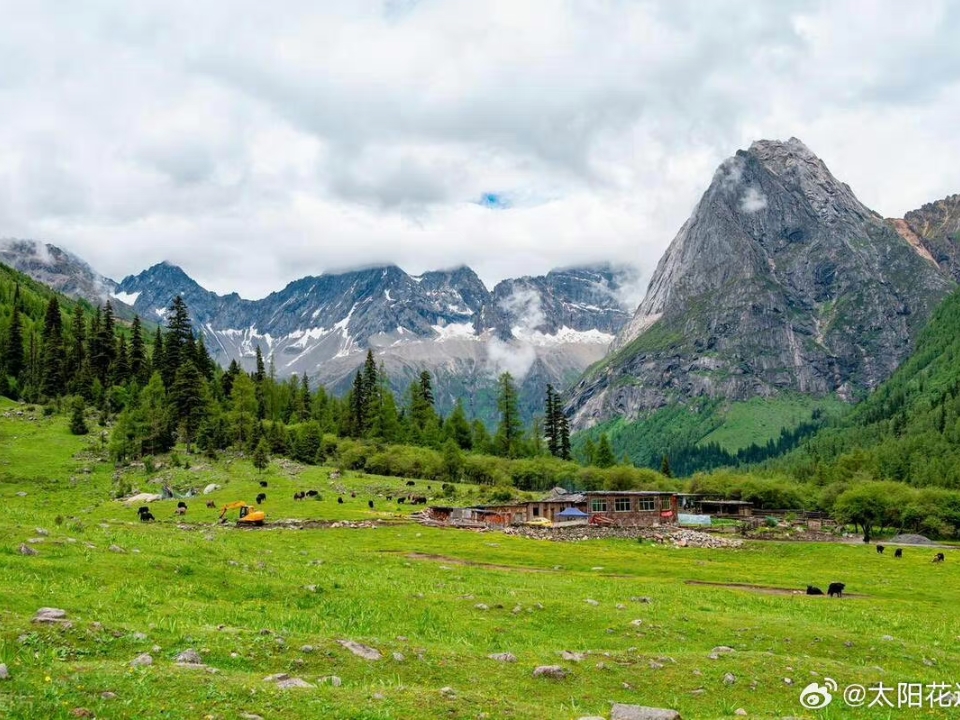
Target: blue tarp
{"x":573,"y":513}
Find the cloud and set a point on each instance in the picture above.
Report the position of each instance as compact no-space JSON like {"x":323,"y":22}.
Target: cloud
{"x":333,"y":135}
{"x":753,"y":200}
{"x":524,"y":309}
{"x":516,"y":358}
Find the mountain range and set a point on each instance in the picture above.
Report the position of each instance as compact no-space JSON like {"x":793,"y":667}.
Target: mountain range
{"x":544,"y":329}
{"x":782,"y":289}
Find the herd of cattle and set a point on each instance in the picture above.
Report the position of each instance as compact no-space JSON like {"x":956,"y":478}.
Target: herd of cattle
{"x":146,"y":516}
{"x":836,"y":589}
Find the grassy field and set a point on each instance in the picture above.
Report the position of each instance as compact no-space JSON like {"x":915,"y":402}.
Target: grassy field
{"x":251,"y":601}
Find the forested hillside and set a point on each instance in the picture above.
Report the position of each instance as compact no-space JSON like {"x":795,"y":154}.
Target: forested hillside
{"x":908,"y":429}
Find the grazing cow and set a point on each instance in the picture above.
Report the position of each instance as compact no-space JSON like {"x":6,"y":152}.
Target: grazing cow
{"x":401,"y":501}
{"x":880,"y":549}
{"x":836,"y":589}
{"x":898,"y":553}
{"x":263,"y":483}
{"x":410,"y":483}
{"x":418,"y":500}
{"x":298,"y":496}
{"x":182,"y":510}
{"x":370,"y":504}
{"x":182,"y":504}
{"x":429,"y":487}
{"x":311,"y":493}
{"x":353,"y":494}
{"x":145,"y":514}
{"x":938,"y":558}
{"x":811,"y":590}
{"x":340,"y":501}
{"x":211,"y":504}
{"x":260,"y":498}
{"x":143,"y":509}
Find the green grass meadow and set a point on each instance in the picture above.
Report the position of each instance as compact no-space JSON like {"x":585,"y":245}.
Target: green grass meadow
{"x":249,"y":600}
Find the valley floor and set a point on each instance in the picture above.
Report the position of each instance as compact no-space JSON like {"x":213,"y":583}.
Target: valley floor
{"x":435,"y":603}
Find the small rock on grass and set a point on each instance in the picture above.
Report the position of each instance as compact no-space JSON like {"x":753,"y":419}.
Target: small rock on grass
{"x":740,"y":712}
{"x":291,"y":683}
{"x":729,"y":679}
{"x":638,"y":712}
{"x":307,"y":649}
{"x":448,"y":692}
{"x":590,"y":601}
{"x":276,"y":678}
{"x":116,"y":549}
{"x":142,"y":661}
{"x":80,"y":712}
{"x":189,"y":657}
{"x":250,"y":716}
{"x":27,"y":550}
{"x":363,"y":651}
{"x":4,"y":672}
{"x":331,"y":680}
{"x":108,"y":695}
{"x":550,"y":671}
{"x":571,"y":656}
{"x":503,"y":657}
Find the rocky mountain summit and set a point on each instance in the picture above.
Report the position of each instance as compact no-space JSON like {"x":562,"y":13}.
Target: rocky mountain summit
{"x":781,"y":280}
{"x":57,"y":269}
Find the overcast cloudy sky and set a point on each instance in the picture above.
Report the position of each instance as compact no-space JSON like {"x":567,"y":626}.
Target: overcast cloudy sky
{"x":255,"y":142}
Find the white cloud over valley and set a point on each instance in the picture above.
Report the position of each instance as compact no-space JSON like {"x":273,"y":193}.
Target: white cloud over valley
{"x":255,"y":143}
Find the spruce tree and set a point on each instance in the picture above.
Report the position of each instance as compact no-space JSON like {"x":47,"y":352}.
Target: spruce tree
{"x":53,"y":383}
{"x":604,"y":457}
{"x":103,"y":344}
{"x":13,"y":347}
{"x":563,"y":427}
{"x":120,"y":371}
{"x":551,"y":431}
{"x":426,"y":387}
{"x":244,"y":403}
{"x":139,"y":368}
{"x":188,"y":400}
{"x":665,"y":466}
{"x":261,"y":456}
{"x":78,"y":424}
{"x":457,"y":427}
{"x":177,"y":340}
{"x":76,"y":357}
{"x":510,"y":429}
{"x":357,"y":422}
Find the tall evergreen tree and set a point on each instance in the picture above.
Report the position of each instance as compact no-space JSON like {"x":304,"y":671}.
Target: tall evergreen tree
{"x":426,"y":387}
{"x":177,"y":341}
{"x":510,"y":429}
{"x":563,"y":427}
{"x":457,"y":427}
{"x":103,"y":344}
{"x":13,"y":346}
{"x":604,"y":457}
{"x":550,"y":428}
{"x":53,"y":383}
{"x":188,"y":399}
{"x":139,"y":369}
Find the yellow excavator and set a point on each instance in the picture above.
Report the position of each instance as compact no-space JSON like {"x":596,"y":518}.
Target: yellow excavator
{"x":248,"y":514}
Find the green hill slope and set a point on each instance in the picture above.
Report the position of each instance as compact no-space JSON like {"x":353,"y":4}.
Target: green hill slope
{"x":908,"y":429}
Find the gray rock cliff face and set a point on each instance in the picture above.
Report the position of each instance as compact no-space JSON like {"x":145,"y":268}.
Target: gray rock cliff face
{"x":781,"y":280}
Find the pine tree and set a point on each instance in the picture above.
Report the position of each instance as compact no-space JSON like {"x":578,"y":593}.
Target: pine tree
{"x":426,"y":387}
{"x":604,"y":457}
{"x":371,"y":394}
{"x":78,"y":424}
{"x":665,"y":466}
{"x":138,"y":353}
{"x":304,"y":402}
{"x":550,"y":428}
{"x":177,"y":340}
{"x":120,"y":372}
{"x":13,"y":347}
{"x":244,"y":402}
{"x":357,"y":420}
{"x":229,"y":377}
{"x":103,"y":344}
{"x":188,"y":400}
{"x":563,"y":426}
{"x":261,"y":456}
{"x":76,"y":357}
{"x":510,"y":428}
{"x":457,"y":427}
{"x":157,"y":359}
{"x":261,"y":372}
{"x":589,"y":452}
{"x":53,"y":383}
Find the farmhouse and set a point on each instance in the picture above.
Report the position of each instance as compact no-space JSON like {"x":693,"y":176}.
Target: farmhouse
{"x":632,"y":507}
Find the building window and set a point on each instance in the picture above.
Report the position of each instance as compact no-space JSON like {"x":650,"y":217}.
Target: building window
{"x":599,"y":505}
{"x":648,"y":504}
{"x":621,"y":504}
{"x":536,"y":511}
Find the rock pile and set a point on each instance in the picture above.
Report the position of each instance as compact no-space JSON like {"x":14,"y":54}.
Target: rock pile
{"x":662,"y":534}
